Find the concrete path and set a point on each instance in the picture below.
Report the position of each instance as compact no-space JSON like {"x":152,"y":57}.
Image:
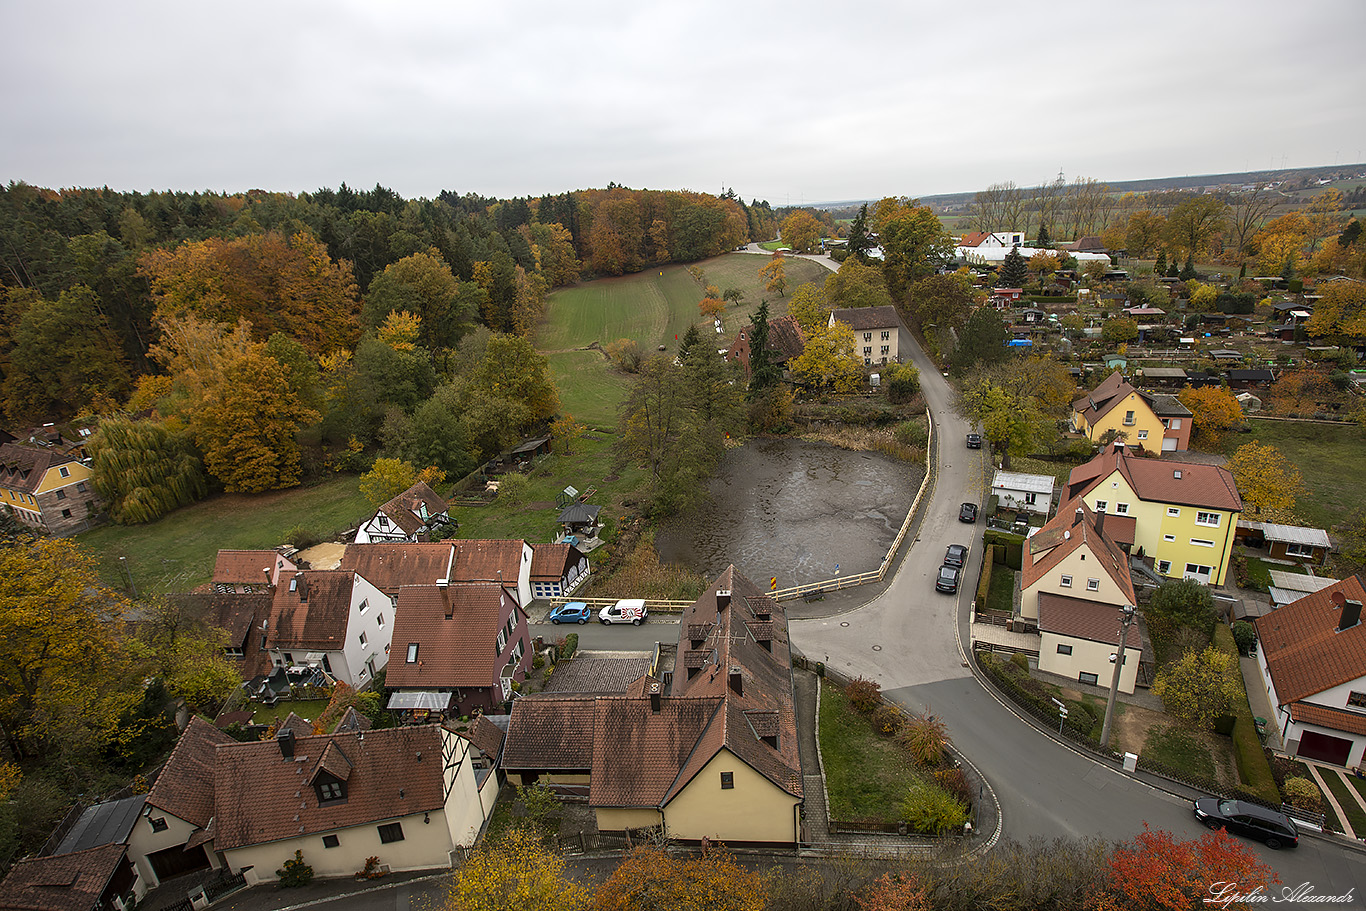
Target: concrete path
{"x":1331,"y":797}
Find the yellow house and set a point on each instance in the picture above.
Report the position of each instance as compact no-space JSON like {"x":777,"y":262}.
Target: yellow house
{"x":1074,"y":583}
{"x":712,"y":753}
{"x":1180,"y":515}
{"x":47,"y":489}
{"x":1116,"y":406}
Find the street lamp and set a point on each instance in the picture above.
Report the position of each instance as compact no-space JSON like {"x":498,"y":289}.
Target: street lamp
{"x":1126,"y":619}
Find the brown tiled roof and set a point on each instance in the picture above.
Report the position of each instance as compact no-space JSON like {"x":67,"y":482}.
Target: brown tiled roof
{"x":389,"y":567}
{"x":1155,"y":481}
{"x":61,"y":882}
{"x":185,"y":786}
{"x":318,"y":621}
{"x":239,"y":615}
{"x":1063,"y":535}
{"x":351,"y":721}
{"x":550,"y":732}
{"x":1082,"y":619}
{"x":658,"y":744}
{"x":451,"y":653}
{"x":785,"y":337}
{"x":404,"y":510}
{"x":260,"y":796}
{"x":973,"y":239}
{"x":299,"y":726}
{"x":606,"y":676}
{"x":1323,"y":716}
{"x":861,"y":319}
{"x":22,"y":468}
{"x":247,"y":567}
{"x":334,"y":762}
{"x":486,"y":736}
{"x":1303,"y":649}
{"x":549,"y":561}
{"x":1100,"y":401}
{"x":488,"y":561}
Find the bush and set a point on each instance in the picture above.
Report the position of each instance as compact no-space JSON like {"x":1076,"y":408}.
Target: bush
{"x":888,"y":719}
{"x":1244,"y":635}
{"x":565,"y":649}
{"x":931,"y":810}
{"x":926,"y":738}
{"x":371,"y":869}
{"x":1020,"y":660}
{"x":1303,"y":794}
{"x":1184,"y":602}
{"x":863,"y":695}
{"x":295,"y":872}
{"x":1031,"y":693}
{"x":538,"y":662}
{"x":955,"y":781}
{"x":984,"y":581}
{"x":303,"y":538}
{"x":512,"y":488}
{"x":913,"y":434}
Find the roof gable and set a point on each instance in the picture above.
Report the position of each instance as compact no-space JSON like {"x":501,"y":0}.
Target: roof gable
{"x":455,"y":627}
{"x":185,"y":786}
{"x":311,"y":610}
{"x":62,"y":882}
{"x":1303,"y":649}
{"x":1075,"y":528}
{"x":414,"y":508}
{"x":1159,"y":480}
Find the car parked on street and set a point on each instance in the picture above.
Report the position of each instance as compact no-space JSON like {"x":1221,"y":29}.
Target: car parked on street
{"x":974,"y":441}
{"x":627,"y":610}
{"x":1275,"y":830}
{"x":948,"y":579}
{"x":967,"y":512}
{"x":572,"y":612}
{"x":956,"y":555}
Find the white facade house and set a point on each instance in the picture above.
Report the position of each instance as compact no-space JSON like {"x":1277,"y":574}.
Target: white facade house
{"x":407,"y":517}
{"x":331,"y":619}
{"x":1020,"y":491}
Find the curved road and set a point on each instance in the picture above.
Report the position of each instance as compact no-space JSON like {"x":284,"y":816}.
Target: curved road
{"x":910,"y":639}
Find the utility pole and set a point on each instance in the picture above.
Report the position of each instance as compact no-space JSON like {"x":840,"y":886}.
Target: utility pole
{"x":1126,"y":619}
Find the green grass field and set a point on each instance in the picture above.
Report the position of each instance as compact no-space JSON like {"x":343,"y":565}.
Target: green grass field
{"x":177,"y":553}
{"x":590,"y":389}
{"x":867,"y":775}
{"x":1329,"y":457}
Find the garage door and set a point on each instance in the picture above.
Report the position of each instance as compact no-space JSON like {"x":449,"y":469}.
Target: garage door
{"x":177,"y":860}
{"x":1169,"y":444}
{"x":1322,"y":747}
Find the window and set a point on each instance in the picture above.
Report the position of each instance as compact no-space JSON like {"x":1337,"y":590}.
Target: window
{"x":1207,"y":518}
{"x":1121,"y":509}
{"x":727,"y":780}
{"x":886,"y":349}
{"x":886,"y":334}
{"x":1356,"y":699}
{"x":383,"y":521}
{"x":1093,"y":585}
{"x":1201,"y":542}
{"x":232,"y":652}
{"x":412,"y":652}
{"x":1102,"y":505}
{"x":66,"y":513}
{"x":868,"y":350}
{"x":1176,"y":424}
{"x":1064,"y":649}
{"x":1143,"y":434}
{"x":289,"y":658}
{"x":329,"y":791}
{"x":1128,"y":417}
{"x":1299,"y":550}
{"x":1091,"y":679}
{"x":61,"y":494}
{"x":64,"y":472}
{"x":1164,"y":567}
{"x":80,"y":486}
{"x":1031,"y":499}
{"x":364,"y":605}
{"x":158,"y":823}
{"x":1173,"y":511}
{"x":867,"y":336}
{"x":363,"y":640}
{"x":1065,"y":581}
{"x":331,"y":841}
{"x":1169,"y":538}
{"x":379,"y":620}
{"x":391,"y":833}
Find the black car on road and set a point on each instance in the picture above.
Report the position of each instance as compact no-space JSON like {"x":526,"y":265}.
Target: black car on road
{"x":974,"y":441}
{"x":956,"y":555}
{"x":948,"y":579}
{"x":1274,"y":829}
{"x":967,"y":512}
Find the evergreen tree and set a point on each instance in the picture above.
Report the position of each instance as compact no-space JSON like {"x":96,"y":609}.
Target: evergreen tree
{"x":1173,"y":270}
{"x":1188,"y":270}
{"x":1014,"y":270}
{"x":690,"y":338}
{"x":1044,"y":240}
{"x":1288,"y":270}
{"x":859,"y":242}
{"x":763,"y":373}
{"x":983,"y":341}
{"x":1160,"y":265}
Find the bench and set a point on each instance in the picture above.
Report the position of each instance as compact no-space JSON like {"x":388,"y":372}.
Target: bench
{"x":816,"y":594}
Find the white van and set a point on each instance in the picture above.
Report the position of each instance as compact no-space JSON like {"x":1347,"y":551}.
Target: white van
{"x":627,"y":610}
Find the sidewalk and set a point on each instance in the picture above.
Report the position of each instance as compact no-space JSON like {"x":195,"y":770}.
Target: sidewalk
{"x":270,"y":897}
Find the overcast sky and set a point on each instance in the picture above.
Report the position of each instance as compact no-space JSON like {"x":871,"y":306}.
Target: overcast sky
{"x":798,"y":102}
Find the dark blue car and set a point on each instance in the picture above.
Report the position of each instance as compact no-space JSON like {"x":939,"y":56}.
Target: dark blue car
{"x":573,"y":612}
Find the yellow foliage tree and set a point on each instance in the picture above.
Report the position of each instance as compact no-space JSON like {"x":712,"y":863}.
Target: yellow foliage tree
{"x":712,"y":307}
{"x":515,"y":872}
{"x":388,"y":478}
{"x":1267,"y":482}
{"x":801,"y":231}
{"x":1214,"y":413}
{"x":809,"y":307}
{"x":775,"y":274}
{"x":1340,"y":311}
{"x":828,"y":363}
{"x":710,"y":881}
{"x":400,"y":330}
{"x":1199,"y":687}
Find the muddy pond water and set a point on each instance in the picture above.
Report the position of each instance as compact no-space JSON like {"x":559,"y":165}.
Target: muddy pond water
{"x":795,"y":510}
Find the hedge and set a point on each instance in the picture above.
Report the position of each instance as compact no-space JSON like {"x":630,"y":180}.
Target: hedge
{"x":1013,"y":545}
{"x":1254,"y":771}
{"x":1078,"y":724}
{"x":984,"y":581}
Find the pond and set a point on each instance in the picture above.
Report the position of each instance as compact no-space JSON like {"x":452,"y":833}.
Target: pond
{"x":796,"y":510}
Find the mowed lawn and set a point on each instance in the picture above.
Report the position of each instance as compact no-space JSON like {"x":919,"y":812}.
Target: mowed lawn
{"x":590,"y":389}
{"x":1329,"y":457}
{"x":177,"y":553}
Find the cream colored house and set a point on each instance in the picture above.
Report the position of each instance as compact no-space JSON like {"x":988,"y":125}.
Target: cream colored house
{"x":710,"y":754}
{"x":1074,"y":583}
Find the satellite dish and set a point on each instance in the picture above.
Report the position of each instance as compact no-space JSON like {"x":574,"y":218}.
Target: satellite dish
{"x":1339,"y":599}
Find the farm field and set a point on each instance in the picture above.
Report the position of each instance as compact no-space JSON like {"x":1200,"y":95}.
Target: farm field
{"x":177,"y":553}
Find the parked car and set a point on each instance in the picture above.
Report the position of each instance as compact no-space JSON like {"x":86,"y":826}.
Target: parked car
{"x":1275,"y":830}
{"x":627,"y":610}
{"x":948,"y":579}
{"x":956,"y":555}
{"x":967,"y":512}
{"x":572,"y":612}
{"x":974,"y":441}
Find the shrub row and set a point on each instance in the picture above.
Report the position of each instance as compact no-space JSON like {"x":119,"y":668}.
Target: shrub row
{"x":1017,"y":688}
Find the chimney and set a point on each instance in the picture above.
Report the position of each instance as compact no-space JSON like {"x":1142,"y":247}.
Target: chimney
{"x":1077,"y":519}
{"x":445,"y":586}
{"x":722,"y":599}
{"x":303,"y":587}
{"x":737,"y":682}
{"x":1351,"y":612}
{"x":286,"y":741}
{"x":1100,"y":523}
{"x":655,"y":699}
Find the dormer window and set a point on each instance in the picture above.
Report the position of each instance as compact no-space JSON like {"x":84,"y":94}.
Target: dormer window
{"x":329,"y":789}
{"x":383,"y":521}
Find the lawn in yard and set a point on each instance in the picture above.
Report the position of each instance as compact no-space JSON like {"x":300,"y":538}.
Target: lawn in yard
{"x":866,"y":775}
{"x":1259,"y":571}
{"x":308,"y":709}
{"x":177,"y":552}
{"x":1343,"y":792}
{"x":1001,"y":594}
{"x":1179,"y":748}
{"x":590,"y":388}
{"x":1329,"y":457}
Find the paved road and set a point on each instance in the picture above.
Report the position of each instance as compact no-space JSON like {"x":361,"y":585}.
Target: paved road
{"x":617,"y":637}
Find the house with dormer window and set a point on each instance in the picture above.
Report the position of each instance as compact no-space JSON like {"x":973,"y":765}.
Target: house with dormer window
{"x":331,"y":619}
{"x":410,"y":516}
{"x":47,"y":489}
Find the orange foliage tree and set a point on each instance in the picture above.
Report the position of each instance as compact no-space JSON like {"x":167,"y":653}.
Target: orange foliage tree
{"x":1215,"y":412}
{"x":711,"y":881}
{"x":895,"y":893}
{"x":1155,"y":870}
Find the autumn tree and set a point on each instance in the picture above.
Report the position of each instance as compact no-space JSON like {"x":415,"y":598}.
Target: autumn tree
{"x":1214,"y":412}
{"x":809,"y":307}
{"x":1340,"y":312}
{"x":829,"y":362}
{"x":422,"y":284}
{"x":914,"y":242}
{"x":66,"y":675}
{"x":1247,"y":211}
{"x":1281,"y":240}
{"x":143,"y":470}
{"x":1267,"y":482}
{"x":275,"y":282}
{"x":1119,"y":330}
{"x":774,"y":274}
{"x":515,"y":872}
{"x":856,"y":285}
{"x":512,"y":370}
{"x":1194,"y":223}
{"x":1008,"y":419}
{"x":1014,"y":271}
{"x":625,"y":354}
{"x":1144,"y":233}
{"x":712,"y":307}
{"x":390,"y":477}
{"x":941,"y":300}
{"x":188,"y":653}
{"x":895,"y":892}
{"x":653,"y":879}
{"x":1199,"y":687}
{"x":1157,"y":871}
{"x":801,"y":231}
{"x":565,"y":432}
